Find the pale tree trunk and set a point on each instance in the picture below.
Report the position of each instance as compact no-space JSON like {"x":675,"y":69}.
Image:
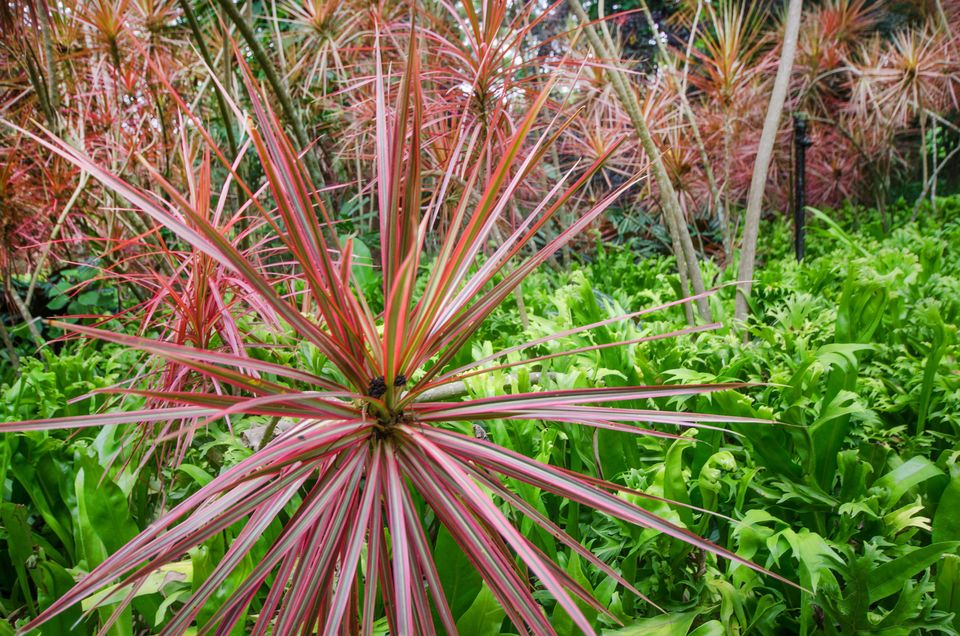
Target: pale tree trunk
{"x":687,"y":264}
{"x":751,"y":224}
{"x":680,"y":86}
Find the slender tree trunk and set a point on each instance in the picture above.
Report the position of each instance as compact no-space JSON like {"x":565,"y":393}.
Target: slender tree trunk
{"x":768,"y":137}
{"x":681,"y":262}
{"x":934,"y":158}
{"x":930,"y":187}
{"x":687,"y":262}
{"x":24,"y":311}
{"x":53,"y":82}
{"x":205,"y":54}
{"x":924,"y":168}
{"x":680,"y":85}
{"x":276,"y":85}
{"x":11,"y":350}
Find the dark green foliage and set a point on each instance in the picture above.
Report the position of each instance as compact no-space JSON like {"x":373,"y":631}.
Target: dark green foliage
{"x":853,"y":492}
{"x":855,"y":355}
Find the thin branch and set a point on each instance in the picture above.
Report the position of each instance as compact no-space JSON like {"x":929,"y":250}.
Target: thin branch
{"x":11,"y":350}
{"x":45,"y":253}
{"x":24,"y":313}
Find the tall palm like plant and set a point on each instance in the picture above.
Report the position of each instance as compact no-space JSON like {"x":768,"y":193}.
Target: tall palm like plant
{"x":728,"y":73}
{"x":480,"y":64}
{"x":372,"y":447}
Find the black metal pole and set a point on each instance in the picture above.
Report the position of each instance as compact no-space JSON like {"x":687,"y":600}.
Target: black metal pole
{"x":800,"y":144}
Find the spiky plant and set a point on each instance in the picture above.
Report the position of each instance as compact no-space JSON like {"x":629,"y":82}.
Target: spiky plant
{"x":732,"y":50}
{"x":189,"y":300}
{"x":108,"y":21}
{"x":318,"y":33}
{"x":373,"y":452}
{"x":727,"y":71}
{"x":829,"y":36}
{"x":910,"y":76}
{"x":478,"y":71}
{"x":480,"y":63}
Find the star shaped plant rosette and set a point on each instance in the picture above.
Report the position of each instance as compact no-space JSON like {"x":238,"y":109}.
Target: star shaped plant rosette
{"x":346,"y":488}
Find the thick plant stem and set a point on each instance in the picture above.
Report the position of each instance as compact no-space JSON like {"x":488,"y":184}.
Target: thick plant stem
{"x":268,"y":433}
{"x":205,"y":54}
{"x":25,"y":314}
{"x":53,"y":90}
{"x":679,"y":84}
{"x":11,"y":350}
{"x":276,"y":85}
{"x":681,"y":263}
{"x":35,"y":76}
{"x":751,"y":225}
{"x":687,"y":263}
{"x":222,"y":97}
